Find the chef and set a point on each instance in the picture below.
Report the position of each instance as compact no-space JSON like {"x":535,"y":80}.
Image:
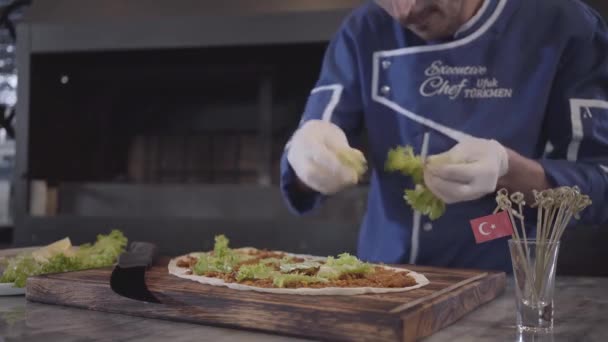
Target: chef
{"x":514,"y":92}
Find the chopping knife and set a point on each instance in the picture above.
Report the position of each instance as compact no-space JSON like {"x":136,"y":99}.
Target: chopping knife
{"x":129,"y":276}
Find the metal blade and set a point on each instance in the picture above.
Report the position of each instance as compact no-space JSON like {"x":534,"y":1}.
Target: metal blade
{"x":129,"y":276}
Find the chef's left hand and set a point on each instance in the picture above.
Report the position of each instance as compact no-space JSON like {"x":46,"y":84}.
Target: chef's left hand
{"x":468,"y":171}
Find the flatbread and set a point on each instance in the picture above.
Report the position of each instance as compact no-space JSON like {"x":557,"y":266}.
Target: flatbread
{"x":182,"y":272}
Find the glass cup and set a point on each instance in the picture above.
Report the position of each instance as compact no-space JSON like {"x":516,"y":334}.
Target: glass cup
{"x":534,"y":264}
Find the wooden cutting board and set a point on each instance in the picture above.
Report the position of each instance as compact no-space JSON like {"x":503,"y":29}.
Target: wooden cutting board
{"x":406,"y":316}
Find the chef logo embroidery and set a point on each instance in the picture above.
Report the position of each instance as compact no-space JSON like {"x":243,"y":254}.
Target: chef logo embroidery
{"x":470,"y":82}
{"x":492,"y":227}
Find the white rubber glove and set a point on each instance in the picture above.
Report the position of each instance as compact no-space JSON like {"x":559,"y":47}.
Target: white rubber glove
{"x":469,"y":171}
{"x":317,"y":154}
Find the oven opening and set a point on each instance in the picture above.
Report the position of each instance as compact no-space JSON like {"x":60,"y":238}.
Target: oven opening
{"x":172,"y":143}
{"x":115,"y":130}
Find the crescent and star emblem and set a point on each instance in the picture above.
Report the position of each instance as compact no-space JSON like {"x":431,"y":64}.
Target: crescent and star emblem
{"x":484,"y":232}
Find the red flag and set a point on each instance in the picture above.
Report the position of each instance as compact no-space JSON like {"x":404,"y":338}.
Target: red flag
{"x":492,"y":227}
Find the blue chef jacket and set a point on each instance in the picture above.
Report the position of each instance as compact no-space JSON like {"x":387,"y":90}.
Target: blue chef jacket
{"x":532,"y":74}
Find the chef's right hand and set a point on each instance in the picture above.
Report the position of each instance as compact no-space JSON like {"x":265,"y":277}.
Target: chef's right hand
{"x":313,"y":155}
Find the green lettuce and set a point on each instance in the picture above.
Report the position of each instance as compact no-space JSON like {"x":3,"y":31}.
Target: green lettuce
{"x":403,"y":160}
{"x":220,"y":248}
{"x":344,"y":264}
{"x":61,"y":263}
{"x":103,"y":253}
{"x":207,"y":264}
{"x":301,"y":266}
{"x":257,"y":271}
{"x":223,"y":259}
{"x":353,"y":159}
{"x":284,"y":280}
{"x":19,"y":268}
{"x":424,"y":201}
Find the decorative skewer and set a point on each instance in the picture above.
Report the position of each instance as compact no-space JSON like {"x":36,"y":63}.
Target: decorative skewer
{"x":555,"y":210}
{"x":504,"y":203}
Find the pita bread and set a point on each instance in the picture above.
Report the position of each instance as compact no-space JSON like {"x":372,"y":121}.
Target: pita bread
{"x":181,"y":272}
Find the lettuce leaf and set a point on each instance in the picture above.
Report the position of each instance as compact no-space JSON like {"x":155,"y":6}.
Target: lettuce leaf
{"x":207,"y":264}
{"x":61,"y":263}
{"x":19,"y":268}
{"x":423,"y":200}
{"x":257,"y":271}
{"x":221,"y":249}
{"x":211,"y":264}
{"x":223,"y":259}
{"x":302,"y":266}
{"x":355,"y":160}
{"x":284,"y":280}
{"x":25,"y":266}
{"x":402,"y":159}
{"x":103,"y":253}
{"x":344,"y":264}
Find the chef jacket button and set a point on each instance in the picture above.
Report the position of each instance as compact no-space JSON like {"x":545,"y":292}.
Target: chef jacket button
{"x":386,"y":64}
{"x":427,"y":227}
{"x":385,"y":90}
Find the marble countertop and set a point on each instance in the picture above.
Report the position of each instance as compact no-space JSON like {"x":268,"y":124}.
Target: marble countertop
{"x":581,"y":315}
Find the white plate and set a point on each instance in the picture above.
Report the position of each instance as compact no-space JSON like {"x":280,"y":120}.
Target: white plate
{"x":7,"y":289}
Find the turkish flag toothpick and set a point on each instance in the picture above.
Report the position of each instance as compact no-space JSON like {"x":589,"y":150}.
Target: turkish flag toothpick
{"x":492,"y":227}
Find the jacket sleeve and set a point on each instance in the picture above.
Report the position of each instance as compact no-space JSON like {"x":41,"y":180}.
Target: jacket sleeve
{"x":577,"y":121}
{"x":335,"y":98}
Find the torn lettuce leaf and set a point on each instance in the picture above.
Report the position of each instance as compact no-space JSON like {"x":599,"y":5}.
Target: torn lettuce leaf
{"x":62,"y":263}
{"x":211,"y":264}
{"x":103,"y":253}
{"x":25,"y":266}
{"x":207,"y":264}
{"x":19,"y":268}
{"x":257,"y":271}
{"x":223,"y":259}
{"x":302,"y":266}
{"x":344,"y":264}
{"x":424,"y":201}
{"x":284,"y":280}
{"x":329,"y":273}
{"x":355,"y":160}
{"x":220,"y":248}
{"x":402,"y":159}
